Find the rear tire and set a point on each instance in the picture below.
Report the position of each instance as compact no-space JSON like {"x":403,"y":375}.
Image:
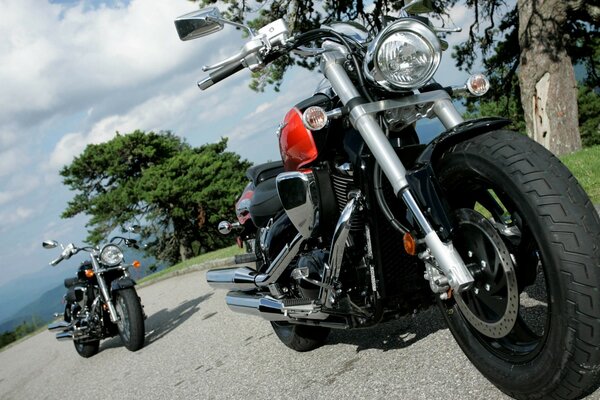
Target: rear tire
{"x":131,"y":319}
{"x":87,"y":349}
{"x":300,"y":337}
{"x":553,"y":350}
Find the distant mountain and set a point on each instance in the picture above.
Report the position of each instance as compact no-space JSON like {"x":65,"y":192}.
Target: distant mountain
{"x":18,"y":293}
{"x":42,"y":308}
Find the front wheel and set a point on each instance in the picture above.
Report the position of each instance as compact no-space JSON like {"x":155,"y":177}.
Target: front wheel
{"x":131,"y":319}
{"x":87,"y":349}
{"x":300,"y":337}
{"x":531,"y":237}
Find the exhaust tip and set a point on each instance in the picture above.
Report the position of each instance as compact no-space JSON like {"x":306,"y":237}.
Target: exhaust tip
{"x":60,"y":325}
{"x":64,"y":336}
{"x":236,"y":278}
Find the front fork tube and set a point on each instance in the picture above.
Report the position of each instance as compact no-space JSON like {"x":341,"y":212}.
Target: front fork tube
{"x":105,"y":294}
{"x":446,"y":257}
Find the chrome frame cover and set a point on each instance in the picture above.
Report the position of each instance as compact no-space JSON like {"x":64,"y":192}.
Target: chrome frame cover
{"x":299,"y":197}
{"x":411,"y":25}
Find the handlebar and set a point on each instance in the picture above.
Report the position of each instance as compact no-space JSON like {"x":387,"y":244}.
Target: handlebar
{"x":56,"y":261}
{"x":220,"y":74}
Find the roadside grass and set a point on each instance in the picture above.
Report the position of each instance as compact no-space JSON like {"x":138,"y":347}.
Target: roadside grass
{"x":585,"y":165}
{"x":210,"y":256}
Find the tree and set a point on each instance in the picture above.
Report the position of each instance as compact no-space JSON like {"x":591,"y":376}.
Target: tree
{"x":177,"y":192}
{"x":542,"y":40}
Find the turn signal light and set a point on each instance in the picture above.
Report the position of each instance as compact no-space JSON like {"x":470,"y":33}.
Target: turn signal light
{"x":314,"y":118}
{"x":89,"y":273}
{"x":136,"y":264}
{"x":478,"y":84}
{"x":410,"y":245}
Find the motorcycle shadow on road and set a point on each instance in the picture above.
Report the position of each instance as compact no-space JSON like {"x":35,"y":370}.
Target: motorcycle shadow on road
{"x":163,"y":322}
{"x":392,"y":335}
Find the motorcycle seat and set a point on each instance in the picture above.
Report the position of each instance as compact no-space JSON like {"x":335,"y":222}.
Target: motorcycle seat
{"x":263,"y":172}
{"x":265,"y":203}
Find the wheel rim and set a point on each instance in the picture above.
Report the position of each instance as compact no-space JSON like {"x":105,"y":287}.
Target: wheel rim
{"x":531,"y":325}
{"x":491,"y":305}
{"x":123,"y":322}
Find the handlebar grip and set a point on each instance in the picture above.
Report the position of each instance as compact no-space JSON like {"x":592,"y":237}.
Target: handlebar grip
{"x":220,"y":74}
{"x":56,"y":261}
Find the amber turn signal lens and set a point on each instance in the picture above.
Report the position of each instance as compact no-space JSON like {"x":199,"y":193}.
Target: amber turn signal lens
{"x":136,"y":264}
{"x":410,"y":246}
{"x":89,"y":273}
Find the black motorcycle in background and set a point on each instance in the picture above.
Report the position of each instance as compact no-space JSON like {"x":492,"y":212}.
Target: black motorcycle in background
{"x":101,"y":300}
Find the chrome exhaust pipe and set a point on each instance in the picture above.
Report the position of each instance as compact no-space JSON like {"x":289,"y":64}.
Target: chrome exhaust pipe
{"x":64,"y":336}
{"x":244,"y":278}
{"x":59,"y":325}
{"x":232,"y":278}
{"x":256,"y":304}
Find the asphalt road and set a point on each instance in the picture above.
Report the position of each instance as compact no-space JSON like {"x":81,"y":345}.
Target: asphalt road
{"x":197,"y":349}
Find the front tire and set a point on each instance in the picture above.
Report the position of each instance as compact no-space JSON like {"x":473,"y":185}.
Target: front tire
{"x":131,"y":319}
{"x":300,"y":337}
{"x":87,"y":349}
{"x":552,"y":232}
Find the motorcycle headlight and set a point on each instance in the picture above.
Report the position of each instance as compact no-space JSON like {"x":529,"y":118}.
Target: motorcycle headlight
{"x":111,"y":255}
{"x":403,"y":56}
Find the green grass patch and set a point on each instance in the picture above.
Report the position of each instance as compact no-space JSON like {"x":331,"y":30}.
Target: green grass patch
{"x":213,"y":255}
{"x":585,"y":165}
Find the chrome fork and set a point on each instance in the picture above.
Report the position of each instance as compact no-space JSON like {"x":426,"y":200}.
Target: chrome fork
{"x":104,"y":291}
{"x":446,"y":257}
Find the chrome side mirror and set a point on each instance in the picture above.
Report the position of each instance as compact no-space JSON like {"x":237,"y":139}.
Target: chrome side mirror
{"x":418,"y":6}
{"x":199,"y":23}
{"x":49,"y":244}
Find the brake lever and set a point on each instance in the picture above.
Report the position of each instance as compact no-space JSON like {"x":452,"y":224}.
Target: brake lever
{"x":304,"y":51}
{"x":250,"y":47}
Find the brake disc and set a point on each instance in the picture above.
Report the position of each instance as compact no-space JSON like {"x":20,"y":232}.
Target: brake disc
{"x":491,"y":306}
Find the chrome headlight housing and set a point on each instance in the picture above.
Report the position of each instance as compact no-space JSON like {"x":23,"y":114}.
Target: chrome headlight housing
{"x":111,"y":255}
{"x":403,"y":56}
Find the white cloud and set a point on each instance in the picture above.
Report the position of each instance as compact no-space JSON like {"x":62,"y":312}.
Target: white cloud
{"x":11,"y":161}
{"x":52,"y":56}
{"x":15,"y":216}
{"x":68,"y":147}
{"x":16,"y":187}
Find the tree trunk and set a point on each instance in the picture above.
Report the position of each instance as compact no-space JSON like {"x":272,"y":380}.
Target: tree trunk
{"x":546,"y":76}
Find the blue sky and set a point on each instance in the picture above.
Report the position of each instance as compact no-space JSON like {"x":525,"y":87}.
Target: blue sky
{"x":75,"y":72}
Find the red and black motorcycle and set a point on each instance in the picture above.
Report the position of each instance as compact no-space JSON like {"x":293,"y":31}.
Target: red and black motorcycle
{"x":359,"y":212}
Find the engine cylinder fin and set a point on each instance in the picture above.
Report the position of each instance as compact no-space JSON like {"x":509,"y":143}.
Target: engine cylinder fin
{"x":342,"y":185}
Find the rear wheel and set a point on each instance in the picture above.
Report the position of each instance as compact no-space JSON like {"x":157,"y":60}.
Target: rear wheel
{"x":300,"y":337}
{"x":131,"y":318}
{"x":530,"y":235}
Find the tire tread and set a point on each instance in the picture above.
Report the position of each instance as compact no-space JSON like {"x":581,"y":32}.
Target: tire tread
{"x":574,"y":228}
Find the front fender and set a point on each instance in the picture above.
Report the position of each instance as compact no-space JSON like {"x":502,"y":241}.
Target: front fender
{"x":460,"y":133}
{"x":423,"y":181}
{"x":122,"y":283}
